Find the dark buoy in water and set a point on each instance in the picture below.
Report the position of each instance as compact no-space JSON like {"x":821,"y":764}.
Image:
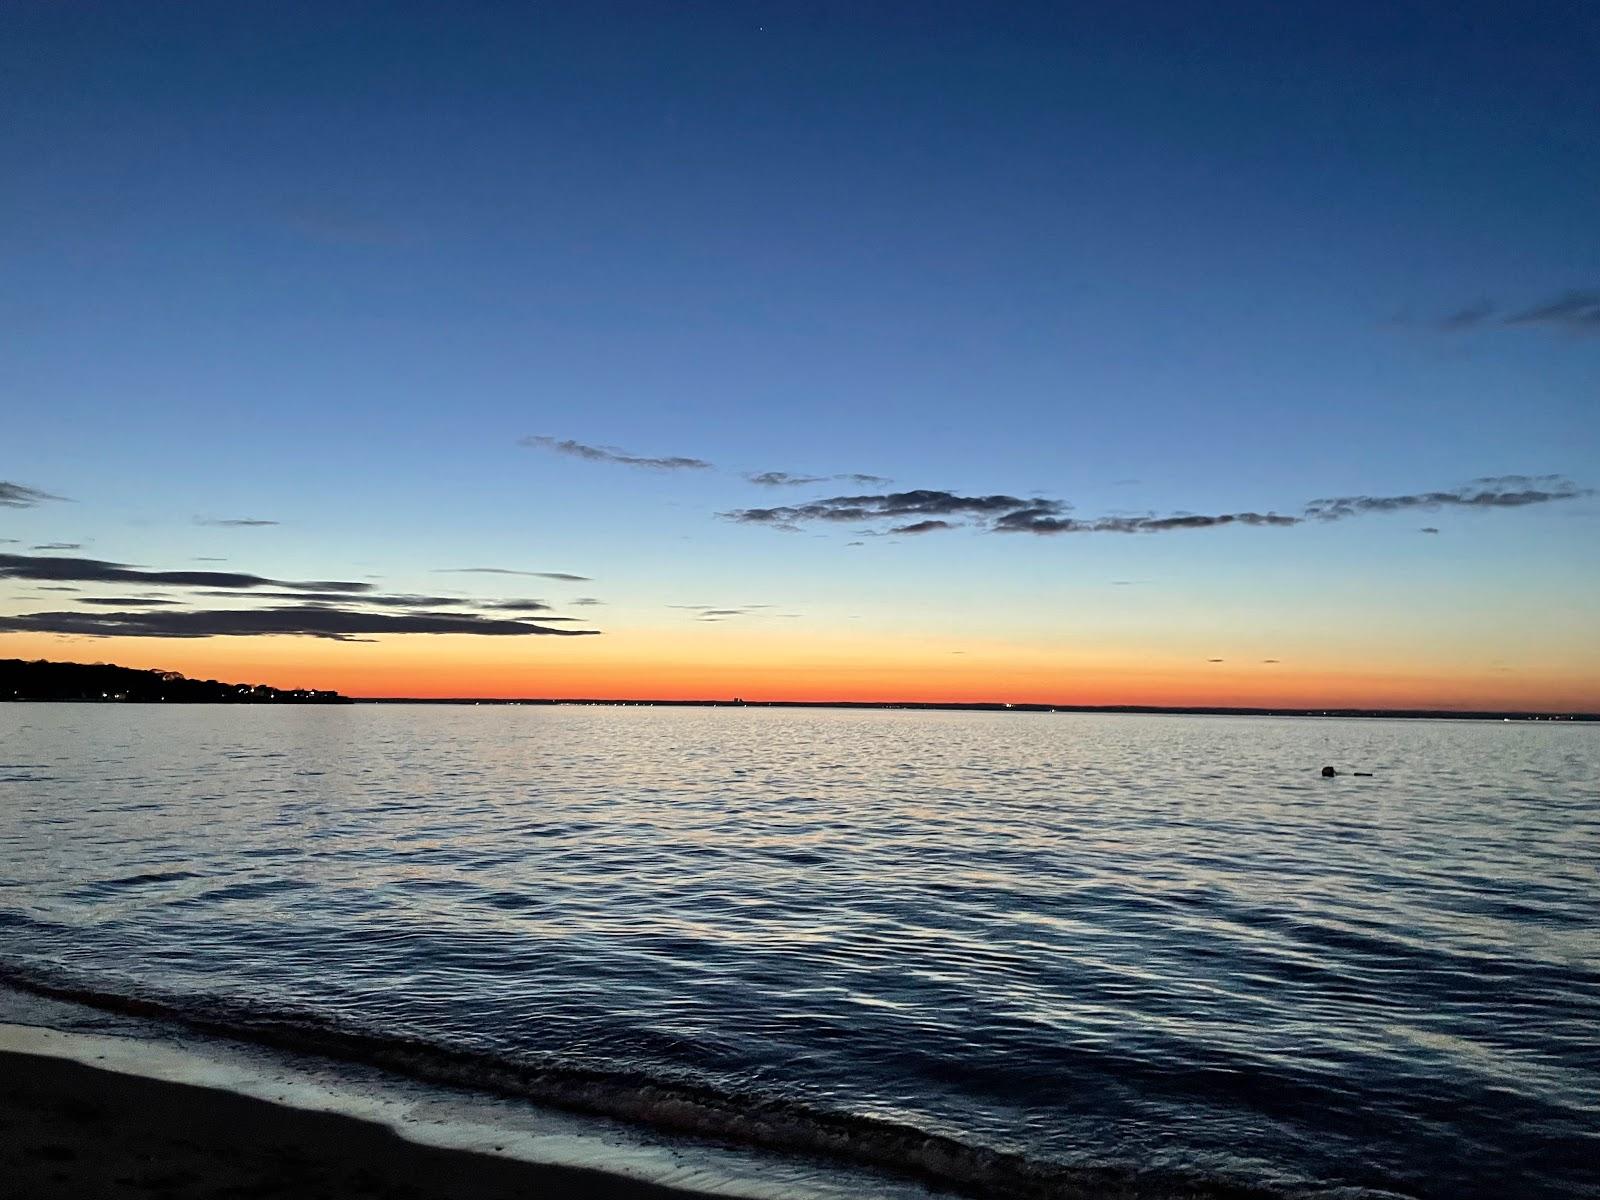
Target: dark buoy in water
{"x":1328,"y":772}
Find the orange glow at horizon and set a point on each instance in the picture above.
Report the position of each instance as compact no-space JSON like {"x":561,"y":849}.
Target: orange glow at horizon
{"x":669,"y":665}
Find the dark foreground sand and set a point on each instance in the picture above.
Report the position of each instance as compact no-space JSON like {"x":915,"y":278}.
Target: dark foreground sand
{"x":70,"y":1131}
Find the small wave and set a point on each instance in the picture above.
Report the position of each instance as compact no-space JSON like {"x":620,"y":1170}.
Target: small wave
{"x":147,"y":877}
{"x":681,"y":1109}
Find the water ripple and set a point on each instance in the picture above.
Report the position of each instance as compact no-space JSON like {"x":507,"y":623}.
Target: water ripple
{"x":1050,"y":944}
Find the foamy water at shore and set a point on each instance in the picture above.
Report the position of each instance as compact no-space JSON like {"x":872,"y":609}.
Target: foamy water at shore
{"x":1015,"y":951}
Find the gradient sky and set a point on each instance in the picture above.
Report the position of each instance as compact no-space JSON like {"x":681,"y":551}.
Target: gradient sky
{"x":338,"y":266}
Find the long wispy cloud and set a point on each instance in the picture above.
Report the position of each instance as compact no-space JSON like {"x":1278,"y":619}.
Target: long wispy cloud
{"x":94,"y":570}
{"x":928,"y":511}
{"x":1500,"y":491}
{"x":611,"y":454}
{"x":235,"y":522}
{"x":316,"y":621}
{"x":1037,"y":521}
{"x":1575,"y":311}
{"x":377,"y":599}
{"x":563,"y":576}
{"x":1578,"y":311}
{"x":518,"y":605}
{"x":923,"y":502}
{"x":712,"y":612}
{"x":786,"y":479}
{"x":18,"y":495}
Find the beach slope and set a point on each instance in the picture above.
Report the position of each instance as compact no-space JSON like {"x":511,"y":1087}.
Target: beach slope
{"x":72,"y":1132}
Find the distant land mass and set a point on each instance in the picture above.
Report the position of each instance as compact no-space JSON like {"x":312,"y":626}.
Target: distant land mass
{"x":41,"y":680}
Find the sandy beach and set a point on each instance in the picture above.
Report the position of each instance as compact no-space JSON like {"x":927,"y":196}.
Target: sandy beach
{"x":73,"y":1132}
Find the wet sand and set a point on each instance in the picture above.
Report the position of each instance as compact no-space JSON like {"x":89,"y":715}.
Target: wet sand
{"x":71,"y":1132}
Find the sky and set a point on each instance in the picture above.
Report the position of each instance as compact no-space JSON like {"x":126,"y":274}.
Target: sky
{"x":1146,"y":353}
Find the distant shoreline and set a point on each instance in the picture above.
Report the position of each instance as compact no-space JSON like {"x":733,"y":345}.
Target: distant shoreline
{"x":1419,"y":714}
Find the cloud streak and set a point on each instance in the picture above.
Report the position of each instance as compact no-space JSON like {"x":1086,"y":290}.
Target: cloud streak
{"x":1501,"y":491}
{"x":372,"y":598}
{"x":315,"y":621}
{"x":785,"y":479}
{"x":93,"y":570}
{"x":563,"y":576}
{"x":1034,"y":521}
{"x":610,"y":454}
{"x":921,"y":503}
{"x":928,"y":511}
{"x":1576,"y":310}
{"x":235,"y":522}
{"x":17,"y":495}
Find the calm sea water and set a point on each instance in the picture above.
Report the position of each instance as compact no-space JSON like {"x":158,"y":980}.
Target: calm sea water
{"x":1054,"y":943}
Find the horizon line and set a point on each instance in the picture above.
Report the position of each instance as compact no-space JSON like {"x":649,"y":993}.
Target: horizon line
{"x":1007,"y":706}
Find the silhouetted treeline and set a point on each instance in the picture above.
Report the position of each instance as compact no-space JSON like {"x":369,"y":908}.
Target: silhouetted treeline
{"x":20,"y":680}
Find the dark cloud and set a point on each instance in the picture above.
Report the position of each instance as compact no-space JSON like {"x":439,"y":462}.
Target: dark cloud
{"x":1036,"y":520}
{"x":93,"y":570}
{"x":8,"y":541}
{"x":708,"y":612}
{"x":58,"y":546}
{"x":610,"y":454}
{"x":17,"y":495}
{"x":373,"y":598}
{"x":587,"y":601}
{"x":1004,"y":513}
{"x":1578,"y":311}
{"x":919,"y":503}
{"x":1216,"y":660}
{"x":234,"y":522}
{"x":785,"y":479}
{"x":315,"y":621}
{"x":524,"y":605}
{"x":125,"y":601}
{"x":1429,"y":529}
{"x":561,"y":575}
{"x":1518,"y":481}
{"x":1502,"y":491}
{"x":1269,"y":660}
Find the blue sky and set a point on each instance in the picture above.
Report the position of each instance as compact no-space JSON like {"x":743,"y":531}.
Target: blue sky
{"x":326,"y":264}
